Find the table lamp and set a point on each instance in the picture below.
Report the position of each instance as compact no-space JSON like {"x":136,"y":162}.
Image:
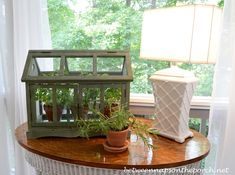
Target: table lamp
{"x":188,"y":34}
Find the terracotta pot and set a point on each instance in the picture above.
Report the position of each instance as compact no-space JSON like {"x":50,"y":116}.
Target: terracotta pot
{"x":49,"y":112}
{"x":117,"y":138}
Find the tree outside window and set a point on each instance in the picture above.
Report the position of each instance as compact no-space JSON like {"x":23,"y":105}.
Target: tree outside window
{"x":116,"y":25}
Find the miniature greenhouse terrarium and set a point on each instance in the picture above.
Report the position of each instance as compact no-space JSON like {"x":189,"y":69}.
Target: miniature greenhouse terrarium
{"x":64,"y":86}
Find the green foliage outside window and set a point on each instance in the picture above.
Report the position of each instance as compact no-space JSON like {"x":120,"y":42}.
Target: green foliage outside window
{"x":116,"y":25}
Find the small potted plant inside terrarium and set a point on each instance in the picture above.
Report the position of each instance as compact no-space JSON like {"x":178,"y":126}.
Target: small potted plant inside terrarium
{"x":116,"y":128}
{"x":90,"y":96}
{"x":112,"y":99}
{"x":64,"y":99}
{"x":44,"y":96}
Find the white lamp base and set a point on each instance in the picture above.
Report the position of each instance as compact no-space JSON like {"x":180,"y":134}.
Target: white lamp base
{"x":173,"y":94}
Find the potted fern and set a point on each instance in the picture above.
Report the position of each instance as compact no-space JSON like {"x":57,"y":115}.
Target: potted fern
{"x":116,"y":128}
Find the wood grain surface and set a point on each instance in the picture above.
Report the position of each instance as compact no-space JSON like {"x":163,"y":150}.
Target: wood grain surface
{"x":91,"y":152}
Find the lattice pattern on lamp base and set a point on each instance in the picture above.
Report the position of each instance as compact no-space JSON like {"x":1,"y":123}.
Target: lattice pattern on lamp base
{"x":172,"y":105}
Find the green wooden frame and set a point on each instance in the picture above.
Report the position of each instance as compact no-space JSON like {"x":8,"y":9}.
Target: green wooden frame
{"x":75,"y":82}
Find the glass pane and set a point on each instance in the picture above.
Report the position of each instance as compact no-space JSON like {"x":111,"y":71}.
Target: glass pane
{"x":65,"y":101}
{"x":91,"y":101}
{"x":112,"y":100}
{"x":81,"y":64}
{"x":65,"y":104}
{"x":49,"y":64}
{"x":110,"y":64}
{"x":43,"y":104}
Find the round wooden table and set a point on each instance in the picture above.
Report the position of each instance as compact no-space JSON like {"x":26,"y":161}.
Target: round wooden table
{"x":71,"y":156}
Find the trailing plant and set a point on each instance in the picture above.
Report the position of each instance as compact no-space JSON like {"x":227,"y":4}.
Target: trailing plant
{"x":119,"y":120}
{"x":91,"y":127}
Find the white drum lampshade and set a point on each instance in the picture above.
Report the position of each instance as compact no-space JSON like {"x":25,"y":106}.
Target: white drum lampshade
{"x":178,"y":34}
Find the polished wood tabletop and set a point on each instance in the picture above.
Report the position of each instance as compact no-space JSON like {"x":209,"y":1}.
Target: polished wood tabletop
{"x":90,"y":152}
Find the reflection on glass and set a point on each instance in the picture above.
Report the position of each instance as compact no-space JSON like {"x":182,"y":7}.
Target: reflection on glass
{"x":48,"y":64}
{"x":139,"y":152}
{"x":110,"y":64}
{"x":81,"y":64}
